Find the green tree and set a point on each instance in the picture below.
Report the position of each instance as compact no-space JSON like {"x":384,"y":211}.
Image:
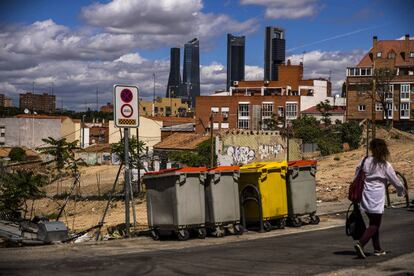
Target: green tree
{"x":135,"y":147}
{"x":16,"y":188}
{"x":17,"y":154}
{"x":200,"y":157}
{"x":351,"y":133}
{"x":61,"y":150}
{"x":307,"y":128}
{"x":325,"y":108}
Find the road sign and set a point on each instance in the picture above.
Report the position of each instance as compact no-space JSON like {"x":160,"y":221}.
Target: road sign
{"x":126,"y":109}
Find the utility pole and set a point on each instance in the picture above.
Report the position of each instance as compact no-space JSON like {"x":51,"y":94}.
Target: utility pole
{"x":211,"y":141}
{"x":97,"y":104}
{"x":127,"y":181}
{"x":374,"y":95}
{"x":153,"y":97}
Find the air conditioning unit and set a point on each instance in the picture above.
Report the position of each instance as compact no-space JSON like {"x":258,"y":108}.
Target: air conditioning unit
{"x":235,"y":83}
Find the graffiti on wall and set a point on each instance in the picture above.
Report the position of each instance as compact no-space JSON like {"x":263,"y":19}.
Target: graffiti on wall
{"x":243,"y":154}
{"x":269,"y":151}
{"x":240,"y":155}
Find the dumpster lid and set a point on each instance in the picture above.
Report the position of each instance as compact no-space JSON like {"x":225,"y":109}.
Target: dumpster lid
{"x":302,"y":163}
{"x":225,"y":169}
{"x":259,"y":166}
{"x":179,"y":170}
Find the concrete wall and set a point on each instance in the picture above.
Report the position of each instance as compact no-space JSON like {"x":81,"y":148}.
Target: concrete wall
{"x":71,"y":130}
{"x":149,"y":132}
{"x":29,"y":132}
{"x":237,"y":148}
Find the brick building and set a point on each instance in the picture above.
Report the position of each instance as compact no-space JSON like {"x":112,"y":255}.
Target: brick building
{"x":2,"y":97}
{"x":108,"y":108}
{"x":249,"y":103}
{"x":38,"y":102}
{"x":396,"y":55}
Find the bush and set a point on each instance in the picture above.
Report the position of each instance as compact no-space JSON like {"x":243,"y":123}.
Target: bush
{"x":17,"y":154}
{"x":307,"y":128}
{"x":330,"y":142}
{"x":351,"y":133}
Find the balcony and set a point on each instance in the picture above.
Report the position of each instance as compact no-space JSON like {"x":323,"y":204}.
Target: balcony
{"x":359,"y":72}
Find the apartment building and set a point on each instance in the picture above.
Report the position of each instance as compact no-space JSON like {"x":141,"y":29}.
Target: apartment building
{"x":38,"y":102}
{"x":397,"y":56}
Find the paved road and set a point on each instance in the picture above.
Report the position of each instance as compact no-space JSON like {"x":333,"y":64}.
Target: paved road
{"x":305,"y":253}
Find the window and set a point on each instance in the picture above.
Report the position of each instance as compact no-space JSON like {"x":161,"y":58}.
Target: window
{"x":243,"y":120}
{"x":291,"y":110}
{"x":388,"y":111}
{"x":225,"y":113}
{"x":243,"y":124}
{"x":378,"y":107}
{"x":379,"y":54}
{"x":215,"y":125}
{"x":388,"y":94}
{"x":411,"y":54}
{"x":267,"y":110}
{"x":391,"y":55}
{"x":361,"y":107}
{"x":369,"y":72}
{"x":243,"y":110}
{"x":405,"y":111}
{"x":224,"y":125}
{"x":280,"y":111}
{"x":214,"y":109}
{"x":405,"y":91}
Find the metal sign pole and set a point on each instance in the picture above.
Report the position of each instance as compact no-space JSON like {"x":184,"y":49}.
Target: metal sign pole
{"x":127,"y":181}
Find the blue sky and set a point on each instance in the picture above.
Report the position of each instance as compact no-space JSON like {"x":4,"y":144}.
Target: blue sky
{"x":101,"y":43}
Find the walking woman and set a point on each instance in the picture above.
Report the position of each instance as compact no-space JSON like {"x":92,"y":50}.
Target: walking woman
{"x":377,"y":172}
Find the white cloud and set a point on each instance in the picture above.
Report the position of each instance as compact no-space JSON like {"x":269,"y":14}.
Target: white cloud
{"x":134,"y":58}
{"x":319,"y":64}
{"x":253,"y":72}
{"x":291,"y":9}
{"x":163,"y":22}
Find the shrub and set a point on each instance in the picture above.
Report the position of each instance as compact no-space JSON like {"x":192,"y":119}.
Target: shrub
{"x":307,"y":128}
{"x":330,"y":143}
{"x":351,"y":133}
{"x":17,"y":154}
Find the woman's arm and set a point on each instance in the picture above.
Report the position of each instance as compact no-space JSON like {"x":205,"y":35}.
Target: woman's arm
{"x":395,"y":181}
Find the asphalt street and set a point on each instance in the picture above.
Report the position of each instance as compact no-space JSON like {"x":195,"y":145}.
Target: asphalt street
{"x":305,"y":253}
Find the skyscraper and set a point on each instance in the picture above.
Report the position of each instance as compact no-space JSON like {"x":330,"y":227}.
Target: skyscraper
{"x":274,"y":54}
{"x":174,"y":79}
{"x":235,"y":59}
{"x":191,"y":70}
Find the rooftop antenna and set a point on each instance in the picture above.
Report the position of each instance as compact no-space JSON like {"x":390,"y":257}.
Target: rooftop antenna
{"x":33,"y":87}
{"x":330,"y":74}
{"x":97,"y":104}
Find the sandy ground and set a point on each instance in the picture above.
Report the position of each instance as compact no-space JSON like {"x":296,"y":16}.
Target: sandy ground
{"x":333,"y":177}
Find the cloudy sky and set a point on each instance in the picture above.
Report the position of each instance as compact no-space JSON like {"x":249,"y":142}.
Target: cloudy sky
{"x":80,"y":47}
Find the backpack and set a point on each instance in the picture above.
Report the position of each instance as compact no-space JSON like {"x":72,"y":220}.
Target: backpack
{"x":354,"y":225}
{"x":357,"y":186}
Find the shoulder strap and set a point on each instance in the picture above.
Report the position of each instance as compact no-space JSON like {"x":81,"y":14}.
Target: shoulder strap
{"x":362,"y":164}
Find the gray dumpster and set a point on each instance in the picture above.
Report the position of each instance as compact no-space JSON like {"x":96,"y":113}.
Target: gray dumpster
{"x":222,"y":201}
{"x":175,"y":202}
{"x":301,"y":192}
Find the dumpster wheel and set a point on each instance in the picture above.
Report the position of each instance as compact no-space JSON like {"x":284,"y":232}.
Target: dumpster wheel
{"x":295,"y":222}
{"x":238,"y":229}
{"x":267,"y":226}
{"x":155,"y":235}
{"x":314,"y":219}
{"x":201,"y":233}
{"x":183,"y":235}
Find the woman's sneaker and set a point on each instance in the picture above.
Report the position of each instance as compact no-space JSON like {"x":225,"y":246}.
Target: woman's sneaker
{"x":380,"y":252}
{"x":359,"y":251}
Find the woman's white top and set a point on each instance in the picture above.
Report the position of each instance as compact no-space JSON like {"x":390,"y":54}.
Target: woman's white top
{"x":377,"y":175}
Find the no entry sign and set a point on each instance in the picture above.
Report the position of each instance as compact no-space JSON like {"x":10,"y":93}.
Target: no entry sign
{"x":126,"y":106}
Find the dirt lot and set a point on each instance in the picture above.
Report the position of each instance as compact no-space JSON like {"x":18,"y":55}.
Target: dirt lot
{"x":333,"y":177}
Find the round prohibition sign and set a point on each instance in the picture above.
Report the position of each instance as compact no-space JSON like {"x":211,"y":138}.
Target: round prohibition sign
{"x":126,"y":95}
{"x":126,"y":110}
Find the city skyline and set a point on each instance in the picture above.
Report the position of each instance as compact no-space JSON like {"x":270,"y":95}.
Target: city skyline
{"x":80,"y":47}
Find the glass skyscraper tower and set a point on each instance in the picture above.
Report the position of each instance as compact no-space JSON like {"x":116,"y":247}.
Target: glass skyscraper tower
{"x":174,"y":79}
{"x":191,"y":70}
{"x":235,"y":59}
{"x":275,"y":52}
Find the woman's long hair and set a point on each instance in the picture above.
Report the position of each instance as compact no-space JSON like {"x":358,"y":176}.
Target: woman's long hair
{"x":379,"y":151}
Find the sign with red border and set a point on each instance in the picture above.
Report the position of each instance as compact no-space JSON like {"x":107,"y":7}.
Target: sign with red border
{"x":126,"y":109}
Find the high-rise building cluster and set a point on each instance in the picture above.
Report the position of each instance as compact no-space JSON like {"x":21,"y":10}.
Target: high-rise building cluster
{"x":189,"y":88}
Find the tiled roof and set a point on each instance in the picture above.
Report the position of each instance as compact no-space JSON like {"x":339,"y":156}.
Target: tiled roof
{"x":181,"y":141}
{"x":172,"y":121}
{"x":338,"y":110}
{"x":385,"y":46}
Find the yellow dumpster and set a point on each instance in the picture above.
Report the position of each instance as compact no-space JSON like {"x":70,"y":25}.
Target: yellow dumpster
{"x":263,"y":196}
